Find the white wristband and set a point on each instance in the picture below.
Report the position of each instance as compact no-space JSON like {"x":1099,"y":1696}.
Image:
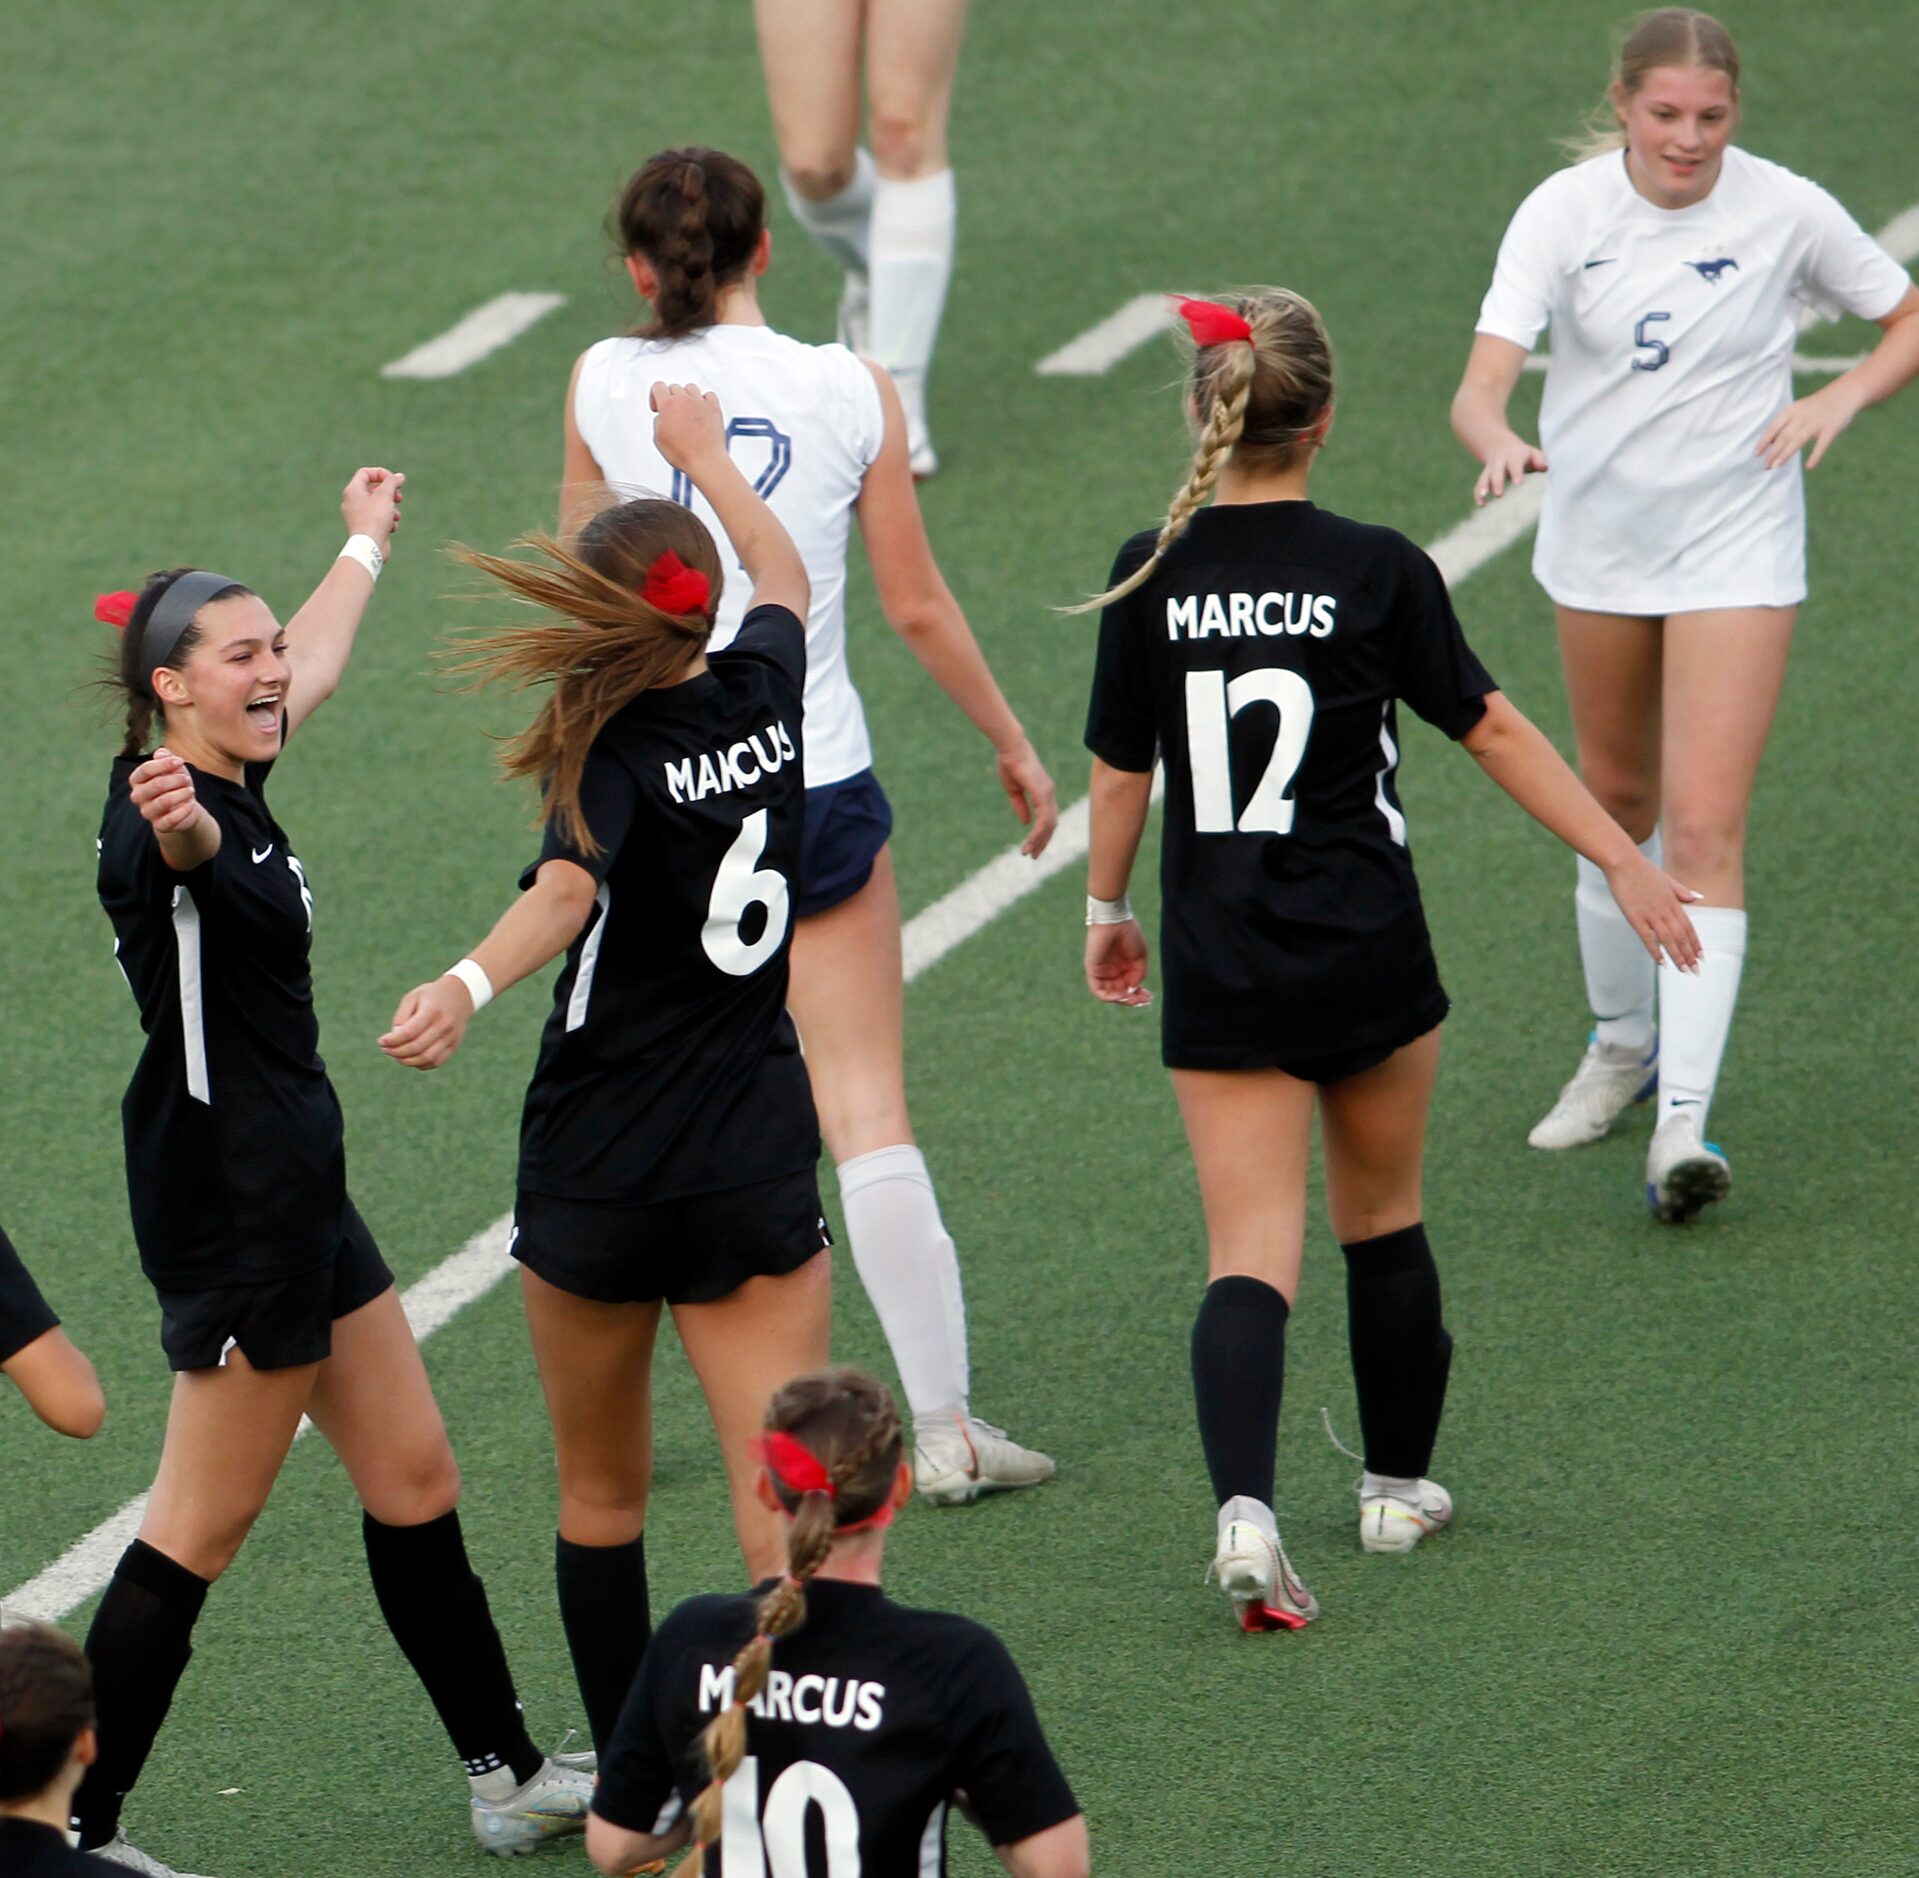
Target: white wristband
{"x":479,"y":987}
{"x":365,"y":550}
{"x":1108,"y":912}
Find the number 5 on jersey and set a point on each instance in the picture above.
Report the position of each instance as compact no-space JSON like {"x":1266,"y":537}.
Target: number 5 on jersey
{"x":741,"y":885}
{"x":1212,"y":703}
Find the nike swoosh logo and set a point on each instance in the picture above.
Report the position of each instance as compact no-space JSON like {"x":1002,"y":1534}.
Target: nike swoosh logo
{"x":1607,"y":262}
{"x":260,"y":854}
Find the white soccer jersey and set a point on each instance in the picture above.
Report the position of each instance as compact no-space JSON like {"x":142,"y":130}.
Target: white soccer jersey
{"x":1672,"y":341}
{"x":805,"y":423}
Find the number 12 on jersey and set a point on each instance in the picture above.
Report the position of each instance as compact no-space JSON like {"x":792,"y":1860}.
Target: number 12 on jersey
{"x":1212,"y":703}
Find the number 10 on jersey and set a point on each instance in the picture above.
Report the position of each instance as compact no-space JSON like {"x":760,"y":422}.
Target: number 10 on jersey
{"x":1212,"y":703}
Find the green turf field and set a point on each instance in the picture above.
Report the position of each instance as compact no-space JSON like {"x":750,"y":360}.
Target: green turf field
{"x":1673,"y":1631}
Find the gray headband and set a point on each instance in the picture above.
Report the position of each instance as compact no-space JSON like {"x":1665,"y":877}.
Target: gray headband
{"x":172,"y":615}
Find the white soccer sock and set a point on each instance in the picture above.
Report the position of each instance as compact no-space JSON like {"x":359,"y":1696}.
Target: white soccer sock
{"x":1696,"y":1009}
{"x":912,"y":262}
{"x":1620,"y":974}
{"x":841,"y":224}
{"x":910,"y":1269}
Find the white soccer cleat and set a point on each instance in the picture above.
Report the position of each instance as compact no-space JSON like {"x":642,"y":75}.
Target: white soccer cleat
{"x":130,"y":1858}
{"x":1684,"y":1174}
{"x":553,"y":1803}
{"x":1389,"y":1524}
{"x":1609,"y":1080}
{"x":956,"y":1458}
{"x":1253,"y":1570}
{"x":856,"y":315}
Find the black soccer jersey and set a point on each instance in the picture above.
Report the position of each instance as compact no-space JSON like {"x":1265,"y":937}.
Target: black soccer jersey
{"x":1262,"y":663}
{"x":236,"y":1167}
{"x":669,"y":1066}
{"x":873,"y":1717}
{"x":23,"y":1311}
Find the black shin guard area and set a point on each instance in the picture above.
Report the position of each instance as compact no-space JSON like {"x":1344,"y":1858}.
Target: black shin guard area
{"x":140,"y":1644}
{"x":1239,"y":1372}
{"x":604,"y":1610}
{"x":435,"y":1605}
{"x":1401,"y":1352}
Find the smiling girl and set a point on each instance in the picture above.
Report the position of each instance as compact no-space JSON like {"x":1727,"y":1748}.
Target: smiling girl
{"x":1673,"y":268}
{"x":274,"y":1300}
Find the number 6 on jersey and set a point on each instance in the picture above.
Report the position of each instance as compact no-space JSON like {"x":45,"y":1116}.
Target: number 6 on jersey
{"x":1212,"y":702}
{"x":741,"y":885}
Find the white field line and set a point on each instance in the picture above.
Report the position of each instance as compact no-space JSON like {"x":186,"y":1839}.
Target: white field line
{"x":1101,"y":347}
{"x":470,"y":1273}
{"x":483,"y":332}
{"x":482,"y":1262}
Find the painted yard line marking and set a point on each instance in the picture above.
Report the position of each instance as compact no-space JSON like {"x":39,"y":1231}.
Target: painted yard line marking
{"x":1101,"y":347}
{"x":470,"y":1273}
{"x":483,"y":332}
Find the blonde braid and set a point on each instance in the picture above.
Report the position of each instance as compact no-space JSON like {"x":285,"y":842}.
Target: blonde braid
{"x":1216,"y":441}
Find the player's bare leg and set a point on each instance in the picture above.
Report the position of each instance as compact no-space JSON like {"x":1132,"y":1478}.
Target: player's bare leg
{"x":596,"y":1371}
{"x":743,"y":1347}
{"x":1373,"y":1133}
{"x":228,"y":1431}
{"x":847,"y":998}
{"x":810,"y":52}
{"x":1251,"y":1137}
{"x":1723,"y":673}
{"x":912,"y":59}
{"x":373,"y":1404}
{"x":1612,"y":666}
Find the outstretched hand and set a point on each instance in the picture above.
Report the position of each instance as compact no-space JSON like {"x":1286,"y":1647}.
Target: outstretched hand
{"x":1508,"y":465}
{"x":689,"y":426}
{"x":1035,"y":801}
{"x":1655,"y":907}
{"x":428,"y":1026}
{"x":162,"y":790}
{"x":1116,"y":964}
{"x":370,"y":505}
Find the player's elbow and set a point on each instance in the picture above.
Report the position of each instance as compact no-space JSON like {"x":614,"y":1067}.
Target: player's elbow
{"x":614,"y":1849}
{"x":78,"y":1407}
{"x":1498,"y":725}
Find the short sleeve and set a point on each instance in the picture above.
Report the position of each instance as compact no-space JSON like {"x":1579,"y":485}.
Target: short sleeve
{"x":609,"y":801}
{"x":777,"y":636}
{"x":1518,"y":305}
{"x":1122,"y":726}
{"x":866,"y":415}
{"x":1007,"y":1770}
{"x":1434,"y":668}
{"x":1845,"y":270}
{"x":637,"y":1790}
{"x":24,"y":1314}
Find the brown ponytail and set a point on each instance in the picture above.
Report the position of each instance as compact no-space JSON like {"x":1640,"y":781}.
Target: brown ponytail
{"x":695,"y":216}
{"x":125,"y":674}
{"x":1257,"y":404}
{"x":608,"y":645}
{"x":848,"y":1421}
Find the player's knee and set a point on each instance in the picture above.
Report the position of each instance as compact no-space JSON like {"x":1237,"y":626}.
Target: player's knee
{"x":602,"y":1515}
{"x":818,"y":174}
{"x":424,"y":1486}
{"x":1702,"y":848}
{"x":1632,"y":800}
{"x":903,"y":143}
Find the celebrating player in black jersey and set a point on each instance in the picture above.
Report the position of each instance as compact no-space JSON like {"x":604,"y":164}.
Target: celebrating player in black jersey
{"x":669,"y":1144}
{"x":46,"y":1745}
{"x":38,"y":1357}
{"x":275,"y":1302}
{"x":877,"y":1719}
{"x":1257,"y":647}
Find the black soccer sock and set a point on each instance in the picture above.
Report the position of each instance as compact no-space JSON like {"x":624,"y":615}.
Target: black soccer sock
{"x":1401,"y":1352}
{"x":140,"y":1644}
{"x":603,"y":1607}
{"x":435,"y":1605}
{"x":1239,"y":1371}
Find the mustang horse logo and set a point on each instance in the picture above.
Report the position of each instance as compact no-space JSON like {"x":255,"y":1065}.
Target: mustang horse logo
{"x":1712,"y":271}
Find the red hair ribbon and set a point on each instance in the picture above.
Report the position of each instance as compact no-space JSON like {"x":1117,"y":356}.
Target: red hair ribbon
{"x":798,"y":1469}
{"x":114,"y":609}
{"x":1210,"y":323}
{"x":675,"y":588}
